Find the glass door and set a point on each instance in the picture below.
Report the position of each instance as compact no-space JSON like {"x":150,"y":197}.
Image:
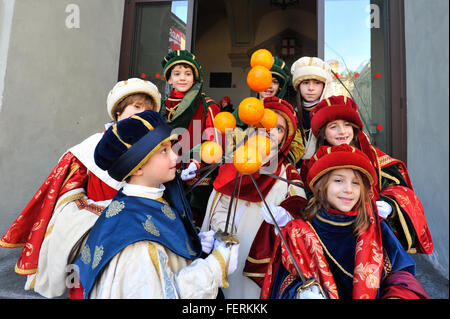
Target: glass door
{"x":353,"y":44}
{"x":151,"y":30}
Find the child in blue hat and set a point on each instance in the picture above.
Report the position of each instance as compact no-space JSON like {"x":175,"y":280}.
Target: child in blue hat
{"x":144,"y":244}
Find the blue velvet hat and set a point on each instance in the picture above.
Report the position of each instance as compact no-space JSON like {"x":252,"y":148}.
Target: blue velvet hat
{"x":128,"y":144}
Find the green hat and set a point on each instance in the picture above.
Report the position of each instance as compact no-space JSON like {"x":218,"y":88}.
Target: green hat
{"x":281,"y":72}
{"x":181,"y":56}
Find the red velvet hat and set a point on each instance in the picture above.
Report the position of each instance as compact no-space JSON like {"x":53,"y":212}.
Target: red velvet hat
{"x":334,"y":108}
{"x":328,"y":158}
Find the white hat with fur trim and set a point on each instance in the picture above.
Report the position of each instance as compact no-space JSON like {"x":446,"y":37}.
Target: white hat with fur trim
{"x":310,"y":68}
{"x":128,"y":87}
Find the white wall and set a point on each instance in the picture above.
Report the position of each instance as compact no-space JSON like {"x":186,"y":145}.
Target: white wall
{"x":55,"y":86}
{"x":427,"y":71}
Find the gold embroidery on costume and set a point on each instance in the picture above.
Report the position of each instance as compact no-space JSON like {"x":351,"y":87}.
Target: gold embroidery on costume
{"x":70,"y":199}
{"x":150,"y":227}
{"x":93,"y":208}
{"x":98,"y":253}
{"x":72,"y":171}
{"x":86,"y":254}
{"x":114,"y":208}
{"x":168,"y":212}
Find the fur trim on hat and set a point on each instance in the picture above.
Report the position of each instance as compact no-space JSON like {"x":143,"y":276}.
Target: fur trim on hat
{"x":307,"y":68}
{"x":123,"y":89}
{"x":328,"y":158}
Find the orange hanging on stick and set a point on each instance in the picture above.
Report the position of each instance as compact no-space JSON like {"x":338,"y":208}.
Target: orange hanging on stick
{"x":223,"y":121}
{"x":251,"y":110}
{"x":262,"y":57}
{"x":269,"y":119}
{"x":259,"y":78}
{"x":211,"y":152}
{"x":247,"y":160}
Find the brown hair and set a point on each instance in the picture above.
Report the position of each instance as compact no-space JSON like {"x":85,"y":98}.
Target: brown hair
{"x":319,"y":201}
{"x":130,"y":100}
{"x":185,"y":65}
{"x":299,"y":111}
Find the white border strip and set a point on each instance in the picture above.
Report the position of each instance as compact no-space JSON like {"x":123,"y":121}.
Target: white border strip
{"x":7,"y":12}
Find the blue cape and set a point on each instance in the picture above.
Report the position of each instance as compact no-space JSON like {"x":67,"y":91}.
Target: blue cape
{"x":129,"y":219}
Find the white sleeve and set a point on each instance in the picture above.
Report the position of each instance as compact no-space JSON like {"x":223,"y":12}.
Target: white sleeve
{"x":202,"y":278}
{"x":147,"y":270}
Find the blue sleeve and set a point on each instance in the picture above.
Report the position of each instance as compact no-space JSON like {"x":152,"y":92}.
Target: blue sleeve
{"x":399,"y":258}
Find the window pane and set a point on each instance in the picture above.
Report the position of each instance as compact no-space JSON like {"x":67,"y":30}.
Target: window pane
{"x":354,"y":47}
{"x":160,"y":27}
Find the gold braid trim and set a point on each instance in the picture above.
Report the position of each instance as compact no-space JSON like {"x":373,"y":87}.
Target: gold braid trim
{"x":72,"y":171}
{"x":70,"y":198}
{"x":404,"y":225}
{"x":153,"y":253}
{"x":223,"y":266}
{"x":388,"y":176}
{"x":258,"y":261}
{"x":253,"y":274}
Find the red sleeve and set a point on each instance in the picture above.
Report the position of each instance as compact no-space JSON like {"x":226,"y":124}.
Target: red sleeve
{"x":30,"y":226}
{"x":402,"y":285}
{"x":214,"y":135}
{"x":97,"y":190}
{"x":294,"y":204}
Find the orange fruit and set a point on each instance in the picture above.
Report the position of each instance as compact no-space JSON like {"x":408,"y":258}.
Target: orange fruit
{"x":211,"y":152}
{"x":223,"y":121}
{"x":261,"y":143}
{"x":259,"y":78}
{"x":251,"y":110}
{"x":269,"y":119}
{"x":247,"y":160}
{"x":262,"y":57}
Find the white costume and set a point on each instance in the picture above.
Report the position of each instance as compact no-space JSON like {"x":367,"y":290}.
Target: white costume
{"x":247,"y":222}
{"x":147,"y":269}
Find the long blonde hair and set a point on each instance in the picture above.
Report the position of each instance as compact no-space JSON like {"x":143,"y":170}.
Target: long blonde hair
{"x":319,"y":201}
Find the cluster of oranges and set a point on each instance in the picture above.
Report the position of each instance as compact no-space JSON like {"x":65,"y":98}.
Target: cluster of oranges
{"x":248,"y":157}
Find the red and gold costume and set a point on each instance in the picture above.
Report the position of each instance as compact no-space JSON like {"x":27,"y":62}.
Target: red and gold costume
{"x":407,"y":219}
{"x":256,"y":237}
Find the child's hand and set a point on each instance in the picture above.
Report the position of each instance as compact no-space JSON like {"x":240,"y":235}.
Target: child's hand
{"x":281,"y":215}
{"x":207,"y":240}
{"x":229,"y":253}
{"x":312,"y":293}
{"x":189,"y":172}
{"x":384,"y":209}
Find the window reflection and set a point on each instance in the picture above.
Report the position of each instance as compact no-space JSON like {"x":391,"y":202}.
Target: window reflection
{"x":355,"y":51}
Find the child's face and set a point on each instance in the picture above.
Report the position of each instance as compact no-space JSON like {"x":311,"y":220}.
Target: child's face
{"x":138,"y":106}
{"x":279,"y":130}
{"x":311,"y":89}
{"x":272,"y":90}
{"x":160,"y":167}
{"x":339,"y":132}
{"x":181,"y":78}
{"x":343,"y":189}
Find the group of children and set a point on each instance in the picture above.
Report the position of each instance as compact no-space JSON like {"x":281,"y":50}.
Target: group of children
{"x":114,"y":218}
